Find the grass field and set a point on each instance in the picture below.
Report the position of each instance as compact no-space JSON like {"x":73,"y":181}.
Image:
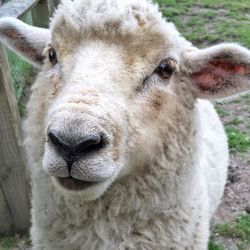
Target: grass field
{"x":204,"y":22}
{"x":210,"y":21}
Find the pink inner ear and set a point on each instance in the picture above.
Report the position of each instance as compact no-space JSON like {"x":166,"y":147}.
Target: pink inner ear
{"x":218,"y":72}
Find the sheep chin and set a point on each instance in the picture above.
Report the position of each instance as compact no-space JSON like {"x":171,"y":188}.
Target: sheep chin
{"x":88,"y":192}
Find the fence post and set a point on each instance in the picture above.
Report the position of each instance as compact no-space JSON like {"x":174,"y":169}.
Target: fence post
{"x":14,"y":202}
{"x":40,"y":14}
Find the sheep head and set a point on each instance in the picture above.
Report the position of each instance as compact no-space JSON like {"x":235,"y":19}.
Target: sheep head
{"x":119,"y":86}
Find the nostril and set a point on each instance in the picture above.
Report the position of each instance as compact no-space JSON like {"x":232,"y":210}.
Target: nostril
{"x":71,"y":152}
{"x":87,"y":144}
{"x":88,"y":141}
{"x":56,"y":141}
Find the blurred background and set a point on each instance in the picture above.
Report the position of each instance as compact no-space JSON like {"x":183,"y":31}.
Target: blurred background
{"x":204,"y":23}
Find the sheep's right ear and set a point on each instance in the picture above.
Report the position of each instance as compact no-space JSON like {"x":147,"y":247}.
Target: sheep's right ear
{"x":26,"y":40}
{"x":219,"y":71}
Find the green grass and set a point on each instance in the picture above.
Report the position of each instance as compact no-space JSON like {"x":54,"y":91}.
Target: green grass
{"x":209,"y":20}
{"x":246,"y":99}
{"x":7,"y":242}
{"x":20,"y":70}
{"x":237,"y":140}
{"x":214,"y":246}
{"x":15,"y":241}
{"x":240,"y":229}
{"x":235,"y":122}
{"x":237,"y":100}
{"x":221,"y":112}
{"x":248,"y":125}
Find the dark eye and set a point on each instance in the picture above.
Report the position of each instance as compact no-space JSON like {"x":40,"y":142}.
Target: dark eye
{"x":53,"y":56}
{"x":166,"y":68}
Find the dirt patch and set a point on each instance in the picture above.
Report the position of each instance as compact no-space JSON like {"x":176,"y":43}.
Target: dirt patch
{"x":236,"y":199}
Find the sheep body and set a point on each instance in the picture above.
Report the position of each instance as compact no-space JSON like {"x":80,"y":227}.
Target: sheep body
{"x":127,"y":216}
{"x":181,"y":220}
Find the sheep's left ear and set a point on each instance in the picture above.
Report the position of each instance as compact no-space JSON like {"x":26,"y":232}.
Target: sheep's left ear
{"x":26,"y":40}
{"x":219,"y":71}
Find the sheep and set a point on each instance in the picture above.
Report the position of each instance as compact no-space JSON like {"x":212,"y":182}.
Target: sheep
{"x":124,"y":147}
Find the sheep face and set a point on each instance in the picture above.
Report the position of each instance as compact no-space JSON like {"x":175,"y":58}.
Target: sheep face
{"x":106,"y":104}
{"x":110,"y":90}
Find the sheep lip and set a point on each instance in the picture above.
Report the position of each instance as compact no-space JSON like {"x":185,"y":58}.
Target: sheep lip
{"x":73,"y":184}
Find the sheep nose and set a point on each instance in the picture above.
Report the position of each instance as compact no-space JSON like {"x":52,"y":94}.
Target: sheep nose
{"x":73,"y":151}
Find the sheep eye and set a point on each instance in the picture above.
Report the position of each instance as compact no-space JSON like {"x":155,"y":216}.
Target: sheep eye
{"x":166,"y":68}
{"x":53,"y":56}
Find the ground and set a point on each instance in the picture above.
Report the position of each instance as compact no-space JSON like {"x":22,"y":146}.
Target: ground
{"x":204,"y":22}
{"x":231,"y":224}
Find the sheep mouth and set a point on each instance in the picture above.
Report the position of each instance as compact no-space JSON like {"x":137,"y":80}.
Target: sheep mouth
{"x":73,"y":184}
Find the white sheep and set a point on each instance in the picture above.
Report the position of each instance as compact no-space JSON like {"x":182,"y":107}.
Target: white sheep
{"x":122,"y":150}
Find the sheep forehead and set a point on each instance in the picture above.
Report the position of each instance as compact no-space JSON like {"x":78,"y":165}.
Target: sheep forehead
{"x":124,"y":16}
{"x":113,"y":20}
